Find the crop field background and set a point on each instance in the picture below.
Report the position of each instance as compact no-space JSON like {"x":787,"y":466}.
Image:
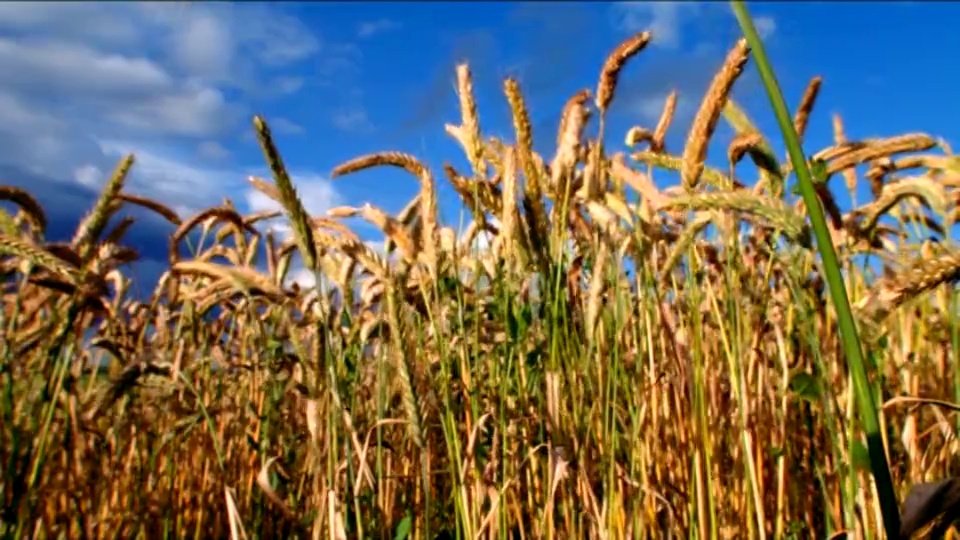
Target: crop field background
{"x":590,"y":352}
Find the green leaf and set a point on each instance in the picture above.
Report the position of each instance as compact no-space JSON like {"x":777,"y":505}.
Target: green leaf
{"x":805,"y":386}
{"x":859,"y":456}
{"x":274,"y":346}
{"x":403,"y":528}
{"x":818,"y":169}
{"x":307,"y":520}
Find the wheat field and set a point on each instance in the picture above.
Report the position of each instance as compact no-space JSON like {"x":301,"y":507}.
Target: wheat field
{"x":588,"y":356}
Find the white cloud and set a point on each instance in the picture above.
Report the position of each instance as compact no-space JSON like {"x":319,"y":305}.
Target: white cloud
{"x":16,"y":116}
{"x":662,"y":19}
{"x":285,"y":126}
{"x":353,"y":119}
{"x":668,"y":20}
{"x":340,"y":60}
{"x":765,"y":25}
{"x":278,"y":39}
{"x":204,"y":46}
{"x":88,"y":175}
{"x":242,"y":32}
{"x":28,"y":64}
{"x":194,"y":111}
{"x":85,"y":83}
{"x":173,"y":180}
{"x":317,"y":195}
{"x":213,"y":151}
{"x":70,"y":20}
{"x":369,"y":29}
{"x":287,"y":85}
{"x":37,"y":140}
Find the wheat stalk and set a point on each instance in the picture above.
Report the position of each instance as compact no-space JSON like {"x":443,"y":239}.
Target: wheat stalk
{"x":428,"y":196}
{"x":922,"y":276}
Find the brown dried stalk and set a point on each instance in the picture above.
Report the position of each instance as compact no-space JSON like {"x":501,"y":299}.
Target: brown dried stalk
{"x":33,"y":210}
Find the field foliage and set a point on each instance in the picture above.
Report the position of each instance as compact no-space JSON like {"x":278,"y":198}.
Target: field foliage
{"x":592,"y":355}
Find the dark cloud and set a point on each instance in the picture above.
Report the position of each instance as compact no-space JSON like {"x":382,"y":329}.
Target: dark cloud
{"x":171,"y":87}
{"x":66,"y":203}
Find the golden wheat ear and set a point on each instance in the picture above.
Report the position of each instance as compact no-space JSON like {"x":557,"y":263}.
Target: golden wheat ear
{"x":468,"y":133}
{"x":92,"y":225}
{"x":532,"y":169}
{"x":292,"y":206}
{"x":658,"y":144}
{"x":614,"y":64}
{"x":705,"y":122}
{"x":802,"y":116}
{"x":32,"y":209}
{"x":893,"y":291}
{"x":427,"y":197}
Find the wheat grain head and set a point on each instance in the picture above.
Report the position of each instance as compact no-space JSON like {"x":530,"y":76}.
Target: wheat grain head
{"x":94,"y":222}
{"x":613,"y":65}
{"x":289,"y":200}
{"x":705,"y":122}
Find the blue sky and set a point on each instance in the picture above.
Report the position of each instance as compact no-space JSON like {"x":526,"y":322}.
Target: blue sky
{"x":177,"y":83}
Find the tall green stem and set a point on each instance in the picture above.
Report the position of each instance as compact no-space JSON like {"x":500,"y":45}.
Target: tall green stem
{"x":848,"y":329}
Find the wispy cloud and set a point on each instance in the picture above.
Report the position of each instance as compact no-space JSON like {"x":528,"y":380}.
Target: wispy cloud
{"x":177,"y":76}
{"x":170,"y":82}
{"x":285,"y":126}
{"x":368,"y":29}
{"x":665,"y":20}
{"x":678,"y":24}
{"x":352,"y":119}
{"x":765,"y":26}
{"x":213,"y":151}
{"x":173,"y":178}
